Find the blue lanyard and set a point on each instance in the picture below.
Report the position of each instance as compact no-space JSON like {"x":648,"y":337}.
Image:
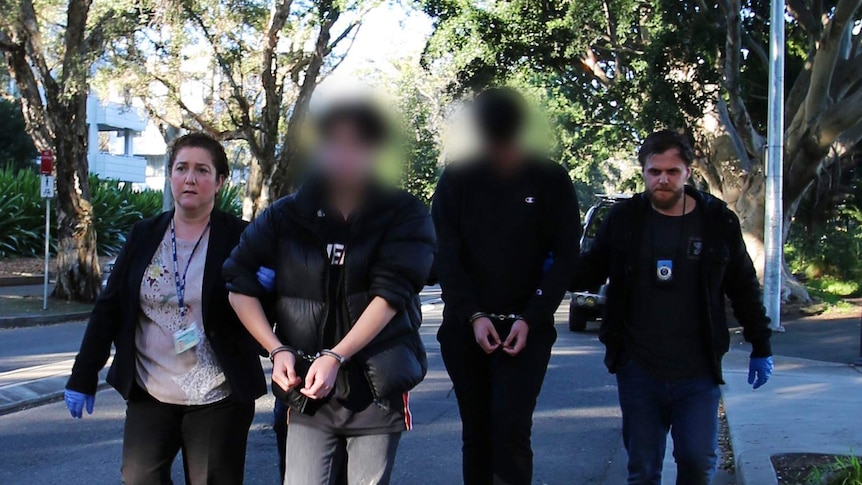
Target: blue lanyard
{"x":181,"y":283}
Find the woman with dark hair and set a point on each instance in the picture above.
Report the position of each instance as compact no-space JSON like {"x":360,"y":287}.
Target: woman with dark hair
{"x":188,"y":370}
{"x":349,"y":258}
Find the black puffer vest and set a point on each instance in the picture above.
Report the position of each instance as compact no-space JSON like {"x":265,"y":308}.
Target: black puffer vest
{"x":389,"y":254}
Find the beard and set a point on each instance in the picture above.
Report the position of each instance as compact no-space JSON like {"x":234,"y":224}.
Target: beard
{"x":665,"y":199}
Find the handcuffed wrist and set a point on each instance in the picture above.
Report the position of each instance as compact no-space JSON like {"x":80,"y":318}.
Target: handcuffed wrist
{"x":280,"y":349}
{"x":477,"y":316}
{"x":335,"y":355}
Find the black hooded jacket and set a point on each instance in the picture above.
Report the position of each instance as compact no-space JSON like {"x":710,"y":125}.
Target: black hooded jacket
{"x":390,"y":250}
{"x":727,"y":270}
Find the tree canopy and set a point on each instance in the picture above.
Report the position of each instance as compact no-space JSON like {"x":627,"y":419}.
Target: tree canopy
{"x":240,"y":71}
{"x":17,"y":150}
{"x":610,"y":71}
{"x":49,"y":50}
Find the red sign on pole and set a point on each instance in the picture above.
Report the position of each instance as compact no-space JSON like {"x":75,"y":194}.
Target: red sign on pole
{"x":47,"y":162}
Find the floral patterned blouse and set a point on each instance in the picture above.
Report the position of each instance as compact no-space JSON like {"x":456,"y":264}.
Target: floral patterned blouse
{"x":194,"y":376}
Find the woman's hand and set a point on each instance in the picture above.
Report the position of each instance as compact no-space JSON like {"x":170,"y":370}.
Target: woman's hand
{"x":321,"y":377}
{"x":284,"y":370}
{"x":77,"y":401}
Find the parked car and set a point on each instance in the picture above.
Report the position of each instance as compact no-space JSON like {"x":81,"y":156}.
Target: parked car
{"x":588,"y":306}
{"x":106,"y":271}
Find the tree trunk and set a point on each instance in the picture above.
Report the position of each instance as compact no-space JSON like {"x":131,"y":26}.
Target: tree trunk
{"x":169,"y":134}
{"x":256,"y":195}
{"x":745,"y":195}
{"x":78,"y":272}
{"x":744,"y":191}
{"x":284,"y":178}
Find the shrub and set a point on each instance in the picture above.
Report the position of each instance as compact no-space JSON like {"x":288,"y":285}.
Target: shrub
{"x":828,"y":254}
{"x":115,"y":205}
{"x":22,"y":214}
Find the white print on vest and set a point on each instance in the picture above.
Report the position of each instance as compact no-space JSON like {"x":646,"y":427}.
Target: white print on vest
{"x":336,"y":254}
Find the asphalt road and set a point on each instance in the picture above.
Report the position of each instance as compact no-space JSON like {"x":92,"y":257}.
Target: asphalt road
{"x":830,"y":339}
{"x":27,"y":347}
{"x":576,"y":433}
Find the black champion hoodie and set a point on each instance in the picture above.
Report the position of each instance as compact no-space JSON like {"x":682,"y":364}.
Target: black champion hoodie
{"x":495,"y":233}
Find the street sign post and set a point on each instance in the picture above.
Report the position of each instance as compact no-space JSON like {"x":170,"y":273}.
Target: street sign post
{"x":47,"y":187}
{"x":47,"y":193}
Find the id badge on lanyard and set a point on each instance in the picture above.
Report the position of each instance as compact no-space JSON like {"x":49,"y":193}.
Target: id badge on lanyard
{"x":187,"y":337}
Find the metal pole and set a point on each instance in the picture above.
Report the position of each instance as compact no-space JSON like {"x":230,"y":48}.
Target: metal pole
{"x":47,"y":239}
{"x":773,"y":236}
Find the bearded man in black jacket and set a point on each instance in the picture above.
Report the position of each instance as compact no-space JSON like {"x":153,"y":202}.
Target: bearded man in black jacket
{"x":508,"y":229}
{"x":670,"y":256}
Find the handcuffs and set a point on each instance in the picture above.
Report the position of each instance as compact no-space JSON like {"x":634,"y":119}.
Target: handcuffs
{"x":308,"y":357}
{"x":495,"y":316}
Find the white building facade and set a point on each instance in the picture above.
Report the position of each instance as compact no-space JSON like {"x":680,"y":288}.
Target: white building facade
{"x":111,"y":132}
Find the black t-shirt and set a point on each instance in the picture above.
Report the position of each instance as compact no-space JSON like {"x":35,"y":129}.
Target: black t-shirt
{"x":665,"y":326}
{"x":350,"y":410}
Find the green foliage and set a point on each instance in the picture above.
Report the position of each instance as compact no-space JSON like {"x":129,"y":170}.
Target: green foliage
{"x":539,"y":48}
{"x":22,"y":214}
{"x":829,"y":252}
{"x":116,"y":207}
{"x":844,"y":471}
{"x":17,"y":150}
{"x":420,"y":103}
{"x":228,"y":200}
{"x":421,"y":123}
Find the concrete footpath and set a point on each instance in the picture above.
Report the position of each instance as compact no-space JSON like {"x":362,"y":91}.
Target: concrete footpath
{"x":807,"y":406}
{"x":21,"y":306}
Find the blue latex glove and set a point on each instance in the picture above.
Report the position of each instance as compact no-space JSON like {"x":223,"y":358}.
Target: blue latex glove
{"x":266,"y":278}
{"x":759,"y":370}
{"x":76,"y":401}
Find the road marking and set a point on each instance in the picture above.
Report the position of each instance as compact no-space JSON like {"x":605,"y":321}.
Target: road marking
{"x":27,"y":375}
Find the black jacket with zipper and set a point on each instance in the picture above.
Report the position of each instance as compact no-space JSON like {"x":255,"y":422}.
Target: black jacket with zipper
{"x":389,"y":253}
{"x":115,"y":317}
{"x":727,"y":270}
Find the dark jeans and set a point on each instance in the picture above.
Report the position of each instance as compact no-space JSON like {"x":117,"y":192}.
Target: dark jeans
{"x":319,"y":457}
{"x":496,"y":396}
{"x":212,"y":438}
{"x":279,"y":425}
{"x":651,"y":407}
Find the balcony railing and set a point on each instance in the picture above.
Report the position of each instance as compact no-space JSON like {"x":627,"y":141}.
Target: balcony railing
{"x":127,"y":169}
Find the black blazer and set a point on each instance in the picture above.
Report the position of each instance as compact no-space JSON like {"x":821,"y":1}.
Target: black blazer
{"x":115,"y":317}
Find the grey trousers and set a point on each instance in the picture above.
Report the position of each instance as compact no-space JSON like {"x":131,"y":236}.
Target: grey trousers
{"x":316,"y":457}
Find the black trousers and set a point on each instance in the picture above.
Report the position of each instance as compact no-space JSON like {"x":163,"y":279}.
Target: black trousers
{"x":496,"y":397}
{"x":212,"y":438}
